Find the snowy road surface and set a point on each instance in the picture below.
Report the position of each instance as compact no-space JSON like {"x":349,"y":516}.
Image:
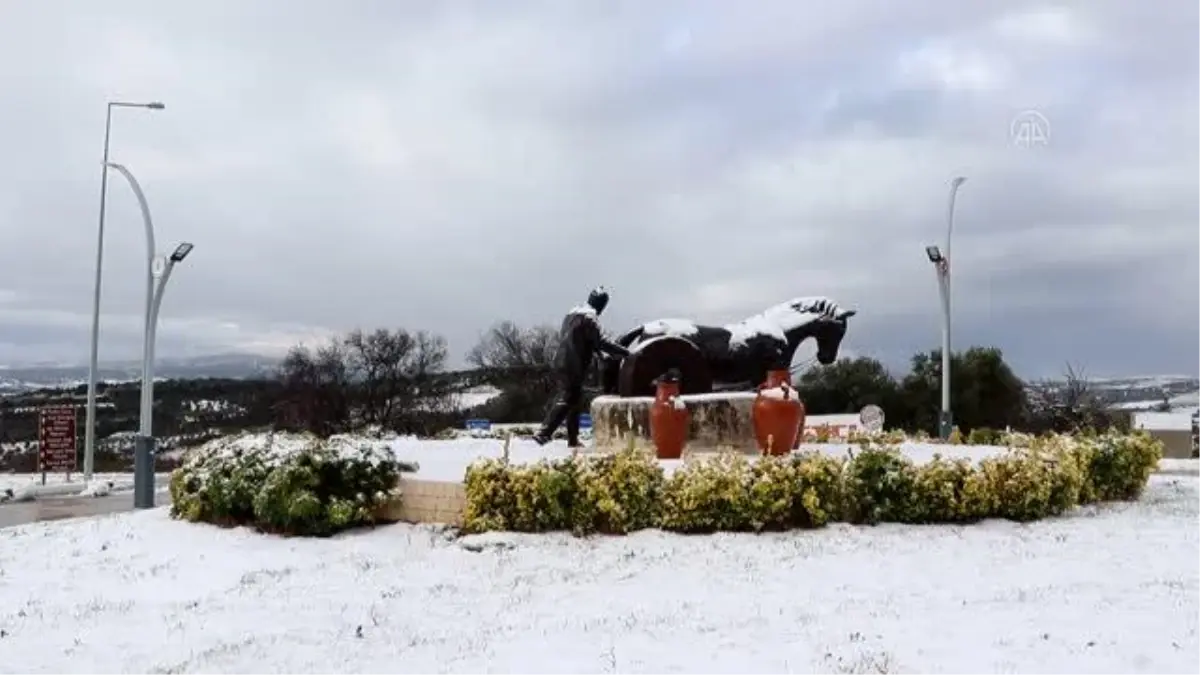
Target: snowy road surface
{"x":59,"y":508}
{"x":1105,"y":589}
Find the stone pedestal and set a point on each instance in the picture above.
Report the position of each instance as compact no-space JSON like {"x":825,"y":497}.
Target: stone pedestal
{"x":718,"y":421}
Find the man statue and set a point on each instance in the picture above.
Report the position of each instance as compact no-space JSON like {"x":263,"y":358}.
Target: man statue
{"x":579,"y":340}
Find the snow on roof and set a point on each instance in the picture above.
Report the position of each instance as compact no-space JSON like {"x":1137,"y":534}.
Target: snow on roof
{"x":1152,"y":421}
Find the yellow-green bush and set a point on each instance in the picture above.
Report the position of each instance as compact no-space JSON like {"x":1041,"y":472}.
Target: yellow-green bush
{"x":948,"y":491}
{"x":728,"y":492}
{"x":821,"y":490}
{"x":617,"y":493}
{"x":529,"y":498}
{"x":1032,"y":484}
{"x":610,"y":494}
{"x":626,"y":491}
{"x":1119,"y":465}
{"x":713,"y":494}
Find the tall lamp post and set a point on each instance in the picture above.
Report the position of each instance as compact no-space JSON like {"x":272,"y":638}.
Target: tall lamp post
{"x":89,"y":445}
{"x":941,"y":265}
{"x":156,"y":268}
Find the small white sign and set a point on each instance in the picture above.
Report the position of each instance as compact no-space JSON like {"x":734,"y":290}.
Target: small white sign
{"x":1028,"y":129}
{"x":871,"y":417}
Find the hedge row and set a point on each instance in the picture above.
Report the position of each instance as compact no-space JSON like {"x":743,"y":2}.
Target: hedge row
{"x":295,"y":484}
{"x":628,"y":490}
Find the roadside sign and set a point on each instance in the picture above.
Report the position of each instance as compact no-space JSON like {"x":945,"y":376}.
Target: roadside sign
{"x":57,"y":440}
{"x":478,"y":425}
{"x":585,"y":421}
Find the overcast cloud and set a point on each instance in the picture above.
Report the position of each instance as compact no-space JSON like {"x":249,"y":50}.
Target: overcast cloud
{"x":444,"y":165}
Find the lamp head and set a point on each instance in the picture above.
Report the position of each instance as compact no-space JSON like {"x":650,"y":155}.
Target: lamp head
{"x":156,"y":105}
{"x":181,"y":252}
{"x":934,"y":253}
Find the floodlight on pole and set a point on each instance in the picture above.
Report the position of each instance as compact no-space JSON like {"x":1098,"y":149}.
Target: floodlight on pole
{"x":934,"y":253}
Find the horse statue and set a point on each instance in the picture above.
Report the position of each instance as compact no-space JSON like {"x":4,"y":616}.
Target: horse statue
{"x":734,"y":357}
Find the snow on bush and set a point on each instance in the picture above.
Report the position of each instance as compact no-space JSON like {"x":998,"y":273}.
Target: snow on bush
{"x":287,"y":483}
{"x":628,"y":490}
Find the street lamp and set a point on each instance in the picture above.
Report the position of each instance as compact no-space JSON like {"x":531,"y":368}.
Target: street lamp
{"x":89,"y":451}
{"x":143,"y":493}
{"x":941,"y":264}
{"x":156,"y":268}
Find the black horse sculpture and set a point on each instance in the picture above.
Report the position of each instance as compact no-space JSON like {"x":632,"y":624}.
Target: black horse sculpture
{"x":734,"y":357}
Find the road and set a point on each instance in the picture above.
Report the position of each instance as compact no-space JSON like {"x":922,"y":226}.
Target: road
{"x":58,"y":508}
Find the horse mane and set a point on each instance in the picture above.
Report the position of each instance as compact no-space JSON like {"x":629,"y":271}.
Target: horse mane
{"x":818,"y":307}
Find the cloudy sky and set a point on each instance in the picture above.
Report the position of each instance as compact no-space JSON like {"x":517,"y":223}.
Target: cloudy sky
{"x":443,"y":165}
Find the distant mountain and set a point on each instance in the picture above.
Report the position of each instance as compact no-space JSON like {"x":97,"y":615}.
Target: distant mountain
{"x":22,"y":378}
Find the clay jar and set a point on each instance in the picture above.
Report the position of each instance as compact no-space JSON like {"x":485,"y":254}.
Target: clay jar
{"x":778,"y":414}
{"x":668,"y":418}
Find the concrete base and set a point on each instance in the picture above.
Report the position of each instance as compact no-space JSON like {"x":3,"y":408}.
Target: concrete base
{"x":718,"y":421}
{"x":143,"y":472}
{"x":426,"y":501}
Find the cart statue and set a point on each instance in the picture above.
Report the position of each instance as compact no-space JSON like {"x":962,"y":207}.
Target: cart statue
{"x":734,"y":357}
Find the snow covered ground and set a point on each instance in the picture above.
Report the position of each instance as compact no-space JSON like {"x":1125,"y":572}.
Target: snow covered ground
{"x":1106,"y":589}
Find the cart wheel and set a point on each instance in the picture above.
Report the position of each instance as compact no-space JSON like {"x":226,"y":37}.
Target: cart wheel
{"x":656,"y":356}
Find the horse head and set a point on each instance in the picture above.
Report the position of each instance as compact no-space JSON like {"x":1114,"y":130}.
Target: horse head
{"x":816,"y":317}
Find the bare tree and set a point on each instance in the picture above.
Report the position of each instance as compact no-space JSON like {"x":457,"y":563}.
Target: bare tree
{"x":396,"y":375}
{"x":508,"y":347}
{"x":316,"y":387}
{"x":1072,"y":406}
{"x":519,"y":362}
{"x":377,"y":363}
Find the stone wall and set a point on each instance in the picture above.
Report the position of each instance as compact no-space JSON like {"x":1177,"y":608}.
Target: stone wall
{"x":718,"y":420}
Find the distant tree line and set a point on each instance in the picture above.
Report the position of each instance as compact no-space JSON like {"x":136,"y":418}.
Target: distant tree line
{"x":985,"y":394}
{"x":397,"y":380}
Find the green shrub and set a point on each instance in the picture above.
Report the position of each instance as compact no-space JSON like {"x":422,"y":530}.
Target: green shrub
{"x":983,"y":436}
{"x":294,"y":484}
{"x":217,"y":481}
{"x":879,"y":486}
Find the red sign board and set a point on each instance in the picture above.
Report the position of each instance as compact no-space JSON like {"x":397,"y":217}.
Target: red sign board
{"x":56,"y":439}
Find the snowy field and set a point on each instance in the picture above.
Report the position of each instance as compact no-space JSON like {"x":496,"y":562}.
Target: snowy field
{"x":1112,"y":588}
